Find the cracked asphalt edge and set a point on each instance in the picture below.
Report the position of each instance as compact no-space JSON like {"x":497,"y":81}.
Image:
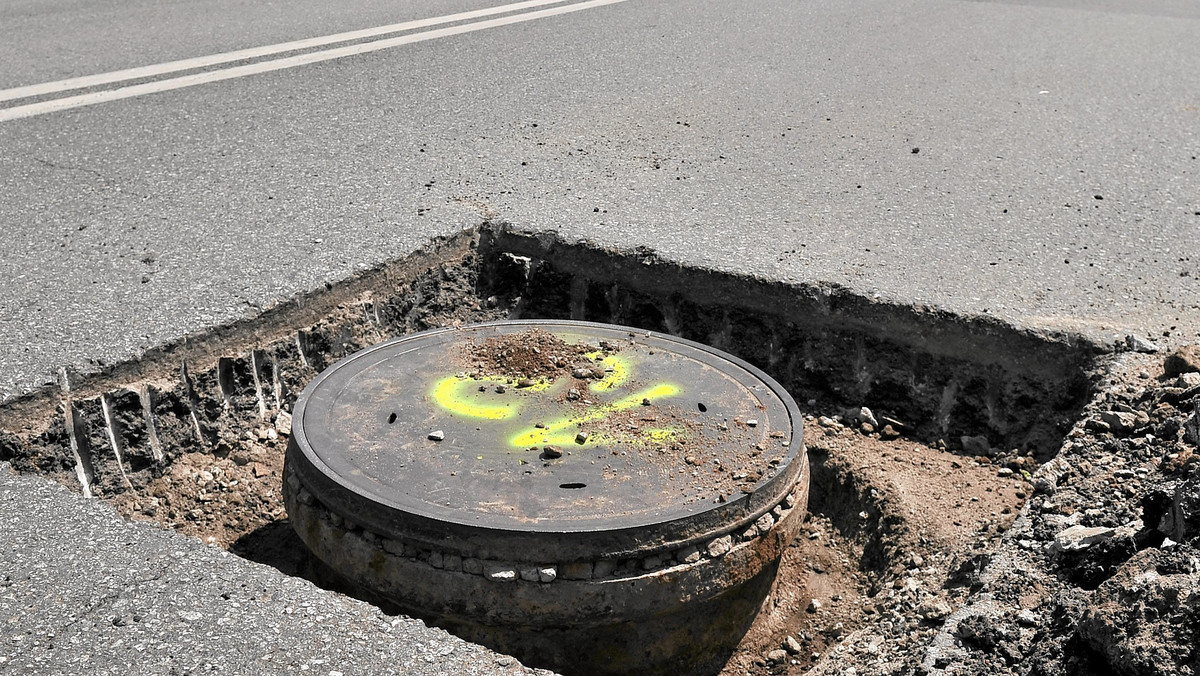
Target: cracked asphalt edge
{"x":83,"y":590}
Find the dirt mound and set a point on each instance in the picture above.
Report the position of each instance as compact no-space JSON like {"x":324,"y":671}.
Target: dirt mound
{"x":1146,"y":618}
{"x":533,"y":354}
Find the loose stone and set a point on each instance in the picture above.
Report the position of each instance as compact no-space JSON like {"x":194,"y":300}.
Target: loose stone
{"x":1138,"y":343}
{"x":720,"y":546}
{"x":1076,"y":538}
{"x":791,"y":645}
{"x":500,"y":572}
{"x":765,"y":522}
{"x":1184,"y":360}
{"x":934,"y":610}
{"x":688,"y":555}
{"x":652,"y":562}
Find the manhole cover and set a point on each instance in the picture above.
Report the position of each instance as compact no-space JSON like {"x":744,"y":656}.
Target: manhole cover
{"x":612,"y":475}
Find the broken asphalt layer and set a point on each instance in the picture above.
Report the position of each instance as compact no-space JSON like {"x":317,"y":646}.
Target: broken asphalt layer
{"x":1035,"y":162}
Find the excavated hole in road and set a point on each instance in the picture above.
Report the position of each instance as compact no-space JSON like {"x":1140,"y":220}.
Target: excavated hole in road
{"x":192,"y":435}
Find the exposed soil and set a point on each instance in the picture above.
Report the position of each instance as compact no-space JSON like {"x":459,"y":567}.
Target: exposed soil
{"x":218,"y":500}
{"x":1099,"y":572}
{"x":221,"y":431}
{"x":941,"y":376}
{"x":1053,"y":531}
{"x":894,"y":531}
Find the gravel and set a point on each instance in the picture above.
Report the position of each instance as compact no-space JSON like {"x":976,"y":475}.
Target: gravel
{"x":1099,"y":572}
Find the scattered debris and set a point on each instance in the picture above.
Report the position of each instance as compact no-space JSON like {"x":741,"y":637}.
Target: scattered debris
{"x":859,"y":416}
{"x":1077,"y":538}
{"x":1139,"y":344}
{"x":1146,"y":619}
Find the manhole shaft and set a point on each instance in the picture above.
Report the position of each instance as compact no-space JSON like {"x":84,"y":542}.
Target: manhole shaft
{"x":612,"y":476}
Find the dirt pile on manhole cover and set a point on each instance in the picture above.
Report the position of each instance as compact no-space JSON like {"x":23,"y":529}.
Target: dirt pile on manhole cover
{"x":532,"y":355}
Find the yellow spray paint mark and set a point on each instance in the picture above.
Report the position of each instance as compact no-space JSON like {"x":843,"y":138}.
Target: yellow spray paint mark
{"x":449,"y":394}
{"x":459,"y":395}
{"x":614,"y":378}
{"x":563,"y":430}
{"x":661,"y":434}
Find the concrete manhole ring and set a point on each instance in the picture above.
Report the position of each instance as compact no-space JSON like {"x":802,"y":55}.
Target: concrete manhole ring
{"x":589,"y":497}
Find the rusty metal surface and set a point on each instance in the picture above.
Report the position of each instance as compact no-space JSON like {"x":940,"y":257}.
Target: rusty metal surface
{"x":674,"y":619}
{"x":647,"y":475}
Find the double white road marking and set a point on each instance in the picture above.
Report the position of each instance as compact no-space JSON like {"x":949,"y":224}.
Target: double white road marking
{"x":513,"y":12}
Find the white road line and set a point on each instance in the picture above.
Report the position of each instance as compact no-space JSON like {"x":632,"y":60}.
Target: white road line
{"x":68,"y":102}
{"x":255,"y":52}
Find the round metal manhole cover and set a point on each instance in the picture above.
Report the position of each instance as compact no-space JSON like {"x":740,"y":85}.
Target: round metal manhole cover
{"x":581,"y":439}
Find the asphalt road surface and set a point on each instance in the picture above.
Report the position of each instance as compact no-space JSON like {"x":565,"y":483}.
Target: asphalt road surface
{"x":1035,"y":161}
{"x":1056,"y":182}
